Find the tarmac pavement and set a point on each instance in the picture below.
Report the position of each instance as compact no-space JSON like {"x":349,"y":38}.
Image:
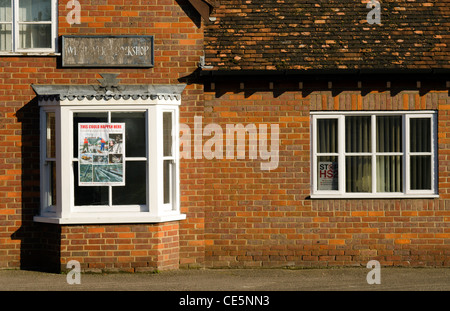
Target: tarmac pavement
{"x":239,"y":280}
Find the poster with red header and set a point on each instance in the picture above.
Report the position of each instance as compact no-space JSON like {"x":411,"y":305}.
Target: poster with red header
{"x":328,"y":176}
{"x":101,"y":154}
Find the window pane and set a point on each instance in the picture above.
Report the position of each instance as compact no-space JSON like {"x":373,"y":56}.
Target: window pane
{"x":420,"y":167}
{"x":85,"y":117}
{"x":327,"y":135}
{"x":389,"y":174}
{"x":389,"y":134}
{"x":134,"y":191}
{"x":327,"y":173}
{"x":107,"y":173}
{"x":92,"y":195}
{"x":52,"y":188}
{"x":35,"y":10}
{"x":358,"y":174}
{"x":420,"y":134}
{"x":357,"y":134}
{"x":5,"y":11}
{"x":35,"y":36}
{"x":5,"y":37}
{"x":135,"y":134}
{"x":167,"y":181}
{"x":167,"y":132}
{"x":51,"y":147}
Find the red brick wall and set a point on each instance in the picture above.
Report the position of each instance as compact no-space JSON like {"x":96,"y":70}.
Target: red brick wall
{"x":257,"y":218}
{"x":178,"y":47}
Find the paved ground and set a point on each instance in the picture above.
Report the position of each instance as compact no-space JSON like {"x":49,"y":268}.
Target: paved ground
{"x":337,"y":279}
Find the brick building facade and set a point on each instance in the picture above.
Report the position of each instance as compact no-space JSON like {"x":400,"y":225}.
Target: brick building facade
{"x":286,"y":68}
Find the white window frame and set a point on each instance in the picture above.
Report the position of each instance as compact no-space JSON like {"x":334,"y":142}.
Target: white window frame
{"x":341,"y":155}
{"x":65,"y":211}
{"x":15,"y":32}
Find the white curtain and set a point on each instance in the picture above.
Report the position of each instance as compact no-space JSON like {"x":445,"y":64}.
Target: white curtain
{"x":358,"y":168}
{"x":327,"y":142}
{"x":390,"y":154}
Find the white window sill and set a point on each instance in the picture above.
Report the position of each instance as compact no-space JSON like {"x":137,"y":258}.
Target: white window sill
{"x":373,"y":197}
{"x":29,"y":54}
{"x":108,"y":219}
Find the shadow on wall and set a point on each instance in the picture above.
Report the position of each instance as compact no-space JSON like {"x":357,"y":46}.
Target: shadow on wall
{"x":190,"y":11}
{"x":40,"y":243}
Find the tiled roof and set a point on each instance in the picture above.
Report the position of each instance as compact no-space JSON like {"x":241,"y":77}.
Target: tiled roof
{"x":328,"y":35}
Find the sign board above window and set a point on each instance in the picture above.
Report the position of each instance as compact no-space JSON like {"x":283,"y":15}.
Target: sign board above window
{"x":107,"y":51}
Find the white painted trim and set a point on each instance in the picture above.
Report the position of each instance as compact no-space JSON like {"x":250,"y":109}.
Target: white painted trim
{"x":341,"y":154}
{"x":15,"y":33}
{"x":109,"y":219}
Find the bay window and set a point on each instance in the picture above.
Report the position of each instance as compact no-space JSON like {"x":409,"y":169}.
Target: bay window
{"x":79,"y":182}
{"x":374,"y":154}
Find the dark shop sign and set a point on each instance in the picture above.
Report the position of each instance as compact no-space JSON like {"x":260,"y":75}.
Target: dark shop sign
{"x":107,"y":51}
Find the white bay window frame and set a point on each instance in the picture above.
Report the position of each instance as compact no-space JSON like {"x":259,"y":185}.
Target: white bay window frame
{"x":155,"y":210}
{"x":341,"y":155}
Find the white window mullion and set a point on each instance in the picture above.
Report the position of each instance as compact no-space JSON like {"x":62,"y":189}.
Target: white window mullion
{"x":341,"y":152}
{"x":15,"y":24}
{"x":405,"y":153}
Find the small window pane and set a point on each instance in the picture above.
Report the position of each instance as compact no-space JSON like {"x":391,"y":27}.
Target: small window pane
{"x":420,"y":134}
{"x":327,"y":173}
{"x":358,"y":174}
{"x":420,"y":170}
{"x":5,"y":11}
{"x":135,"y":134}
{"x":34,"y":36}
{"x":85,"y":117}
{"x":51,"y":141}
{"x":327,"y":135}
{"x":92,"y":195}
{"x":134,"y":191}
{"x":35,"y":10}
{"x":5,"y":37}
{"x":167,"y":132}
{"x":358,"y":134}
{"x":389,"y":134}
{"x":167,"y":181}
{"x":389,"y":173}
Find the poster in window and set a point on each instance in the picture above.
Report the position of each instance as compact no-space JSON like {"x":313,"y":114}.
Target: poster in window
{"x":101,"y":152}
{"x":328,"y":176}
